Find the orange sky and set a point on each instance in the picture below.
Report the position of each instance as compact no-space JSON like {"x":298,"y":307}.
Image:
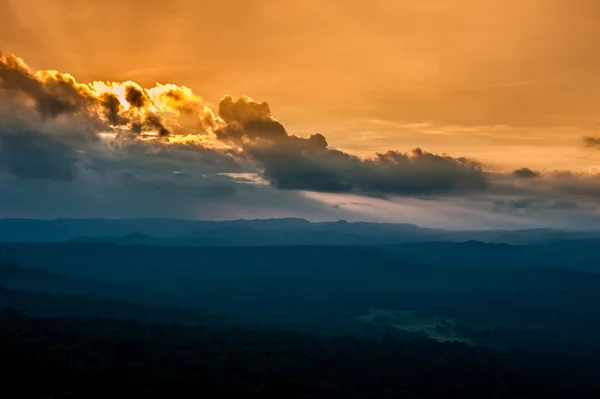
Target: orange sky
{"x":503,"y":81}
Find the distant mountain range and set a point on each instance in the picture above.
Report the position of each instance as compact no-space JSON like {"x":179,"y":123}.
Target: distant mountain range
{"x":261,"y":232}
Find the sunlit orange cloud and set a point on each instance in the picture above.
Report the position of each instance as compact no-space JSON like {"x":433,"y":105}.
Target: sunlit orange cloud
{"x":165,"y":112}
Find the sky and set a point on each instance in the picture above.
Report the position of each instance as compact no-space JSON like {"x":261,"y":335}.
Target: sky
{"x":456,"y":114}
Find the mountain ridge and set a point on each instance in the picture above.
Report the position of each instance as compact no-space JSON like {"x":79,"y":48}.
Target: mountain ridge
{"x":240,"y":232}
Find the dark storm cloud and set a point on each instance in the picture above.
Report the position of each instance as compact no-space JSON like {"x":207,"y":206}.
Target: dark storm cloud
{"x":175,"y":188}
{"x":525,"y":173}
{"x":155,"y":159}
{"x":292,"y":162}
{"x":133,"y":179}
{"x":415,"y":173}
{"x":30,"y":154}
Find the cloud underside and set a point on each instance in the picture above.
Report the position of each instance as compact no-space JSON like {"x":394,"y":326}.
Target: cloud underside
{"x":592,"y":142}
{"x":162,"y":149}
{"x":292,"y":162}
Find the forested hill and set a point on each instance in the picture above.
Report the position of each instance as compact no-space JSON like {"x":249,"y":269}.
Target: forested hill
{"x":576,"y":255}
{"x":99,"y":358}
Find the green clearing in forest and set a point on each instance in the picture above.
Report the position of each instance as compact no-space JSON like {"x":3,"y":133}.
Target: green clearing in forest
{"x":435,"y":327}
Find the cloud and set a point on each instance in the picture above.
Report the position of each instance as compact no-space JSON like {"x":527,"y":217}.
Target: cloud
{"x":522,"y":203}
{"x":296,"y":163}
{"x":415,"y":173}
{"x":564,"y":205}
{"x":14,"y":75}
{"x":136,"y":97}
{"x":591,"y":142}
{"x":243,"y":110}
{"x":567,"y":193}
{"x":122,"y":150}
{"x":109,"y":149}
{"x":153,"y":123}
{"x":576,"y":184}
{"x":112,"y":109}
{"x":525,"y":173}
{"x":162,"y":110}
{"x":248,"y":119}
{"x":31,"y":154}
